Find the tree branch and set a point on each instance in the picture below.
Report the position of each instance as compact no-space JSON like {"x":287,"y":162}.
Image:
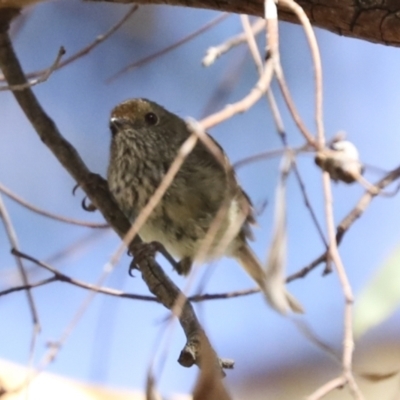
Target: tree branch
{"x":97,"y":190}
{"x":372,"y":20}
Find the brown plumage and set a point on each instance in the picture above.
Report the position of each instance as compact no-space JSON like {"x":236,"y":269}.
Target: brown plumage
{"x":145,"y":141}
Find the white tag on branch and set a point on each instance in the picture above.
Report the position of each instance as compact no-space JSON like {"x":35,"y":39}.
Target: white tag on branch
{"x":341,"y":161}
{"x":275,"y":288}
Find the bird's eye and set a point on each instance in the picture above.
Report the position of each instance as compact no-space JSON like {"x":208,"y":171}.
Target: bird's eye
{"x":151,"y":118}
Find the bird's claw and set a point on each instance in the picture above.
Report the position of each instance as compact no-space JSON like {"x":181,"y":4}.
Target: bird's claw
{"x":142,"y":251}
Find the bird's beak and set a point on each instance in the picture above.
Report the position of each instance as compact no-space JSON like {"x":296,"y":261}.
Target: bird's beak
{"x":116,"y":124}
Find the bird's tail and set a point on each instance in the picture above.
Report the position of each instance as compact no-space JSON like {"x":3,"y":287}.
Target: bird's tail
{"x":275,"y":292}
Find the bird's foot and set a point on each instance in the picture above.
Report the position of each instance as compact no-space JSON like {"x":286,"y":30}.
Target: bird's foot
{"x":141,"y":251}
{"x":184,"y":266}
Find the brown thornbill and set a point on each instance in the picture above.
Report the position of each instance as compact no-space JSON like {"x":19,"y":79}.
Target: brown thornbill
{"x":146,"y":139}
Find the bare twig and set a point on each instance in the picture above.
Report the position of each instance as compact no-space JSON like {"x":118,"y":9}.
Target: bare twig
{"x":12,"y":238}
{"x":28,"y":286}
{"x":217,"y":51}
{"x":306,"y":330}
{"x":305,"y":270}
{"x":243,"y":105}
{"x":229,"y":80}
{"x":222,"y":296}
{"x":327,"y":387}
{"x":249,"y":37}
{"x":348,"y":221}
{"x":100,"y":39}
{"x":312,"y":41}
{"x":364,"y":202}
{"x":271,"y":15}
{"x":332,"y":253}
{"x":59,"y":276}
{"x":169,"y":48}
{"x":291,"y":106}
{"x":278,"y":120}
{"x":265,"y":155}
{"x":42,"y":77}
{"x":87,"y":49}
{"x":48,"y":214}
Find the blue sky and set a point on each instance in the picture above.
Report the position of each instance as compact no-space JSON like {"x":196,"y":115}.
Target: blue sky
{"x":115,"y":340}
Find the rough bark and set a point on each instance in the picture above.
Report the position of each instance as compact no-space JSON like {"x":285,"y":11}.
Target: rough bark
{"x":373,"y":20}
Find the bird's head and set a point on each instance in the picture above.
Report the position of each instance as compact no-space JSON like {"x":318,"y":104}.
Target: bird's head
{"x":135,"y":114}
{"x":142,"y":116}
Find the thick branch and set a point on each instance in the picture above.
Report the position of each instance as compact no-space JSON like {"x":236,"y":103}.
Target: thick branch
{"x":373,"y":20}
{"x":96,"y":189}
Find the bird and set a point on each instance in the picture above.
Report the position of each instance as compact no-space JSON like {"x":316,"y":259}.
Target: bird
{"x":145,"y":140}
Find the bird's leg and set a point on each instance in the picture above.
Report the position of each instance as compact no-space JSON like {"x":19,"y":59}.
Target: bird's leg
{"x":184,"y":266}
{"x":143,"y":250}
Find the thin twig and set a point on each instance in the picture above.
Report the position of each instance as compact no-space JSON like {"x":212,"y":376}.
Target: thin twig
{"x":222,"y":296}
{"x":291,"y":105}
{"x":271,"y":15}
{"x":230,"y":79}
{"x":265,"y":155}
{"x":12,"y":238}
{"x":59,"y":276}
{"x":48,"y":214}
{"x":28,"y":286}
{"x":348,"y":340}
{"x":364,"y":202}
{"x":169,"y":48}
{"x":42,"y":77}
{"x":333,"y":253}
{"x":254,"y":51}
{"x":217,"y":51}
{"x":306,"y":330}
{"x":87,"y":49}
{"x":250,"y":39}
{"x":348,"y":221}
{"x":327,"y":388}
{"x":9,"y":276}
{"x":243,"y":105}
{"x":101,"y":38}
{"x":308,"y":205}
{"x":316,"y":56}
{"x":308,"y":268}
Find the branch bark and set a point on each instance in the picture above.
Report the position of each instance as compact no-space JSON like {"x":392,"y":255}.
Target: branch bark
{"x":96,"y":189}
{"x":376,"y":21}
